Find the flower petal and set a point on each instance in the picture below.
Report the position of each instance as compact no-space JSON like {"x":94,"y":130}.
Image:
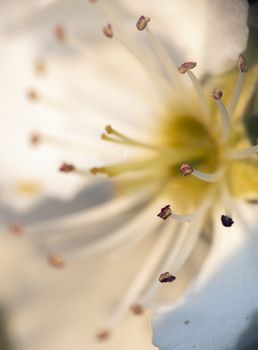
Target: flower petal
{"x":219,"y":307}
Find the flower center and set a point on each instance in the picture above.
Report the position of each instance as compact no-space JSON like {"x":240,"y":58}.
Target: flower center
{"x":195,"y":145}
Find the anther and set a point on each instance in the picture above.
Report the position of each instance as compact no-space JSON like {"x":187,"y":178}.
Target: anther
{"x":242,"y":64}
{"x":40,"y":67}
{"x":142,"y":23}
{"x":56,"y":261}
{"x":217,"y":94}
{"x":166,"y":277}
{"x":186,"y":169}
{"x":137,"y":309}
{"x":108,"y":31}
{"x":35,"y":139}
{"x":165,"y":212}
{"x":97,"y":170}
{"x":60,"y":33}
{"x":66,"y":168}
{"x":15,"y":228}
{"x":109,"y":129}
{"x":103,"y":335}
{"x":186,"y":66}
{"x":226,"y":221}
{"x":32,"y":95}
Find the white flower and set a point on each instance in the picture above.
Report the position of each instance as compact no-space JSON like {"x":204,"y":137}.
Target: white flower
{"x":161,"y":120}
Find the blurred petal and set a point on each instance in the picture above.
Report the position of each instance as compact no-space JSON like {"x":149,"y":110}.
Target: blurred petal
{"x":219,"y":307}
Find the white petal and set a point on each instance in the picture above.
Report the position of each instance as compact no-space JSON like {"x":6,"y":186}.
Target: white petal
{"x":219,"y":307}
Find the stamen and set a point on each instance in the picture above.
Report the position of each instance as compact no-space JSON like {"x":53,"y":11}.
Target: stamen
{"x":40,"y":67}
{"x":137,"y":309}
{"x":186,"y":169}
{"x":242,"y":64}
{"x":123,"y":138}
{"x":56,"y":261}
{"x":239,"y":84}
{"x":49,"y":101}
{"x":60,"y":33}
{"x":102,"y":212}
{"x":187,"y":68}
{"x":142,"y":23}
{"x":103,"y":335}
{"x":217,"y":95}
{"x":165,"y":59}
{"x":35,"y":139}
{"x":165,"y":212}
{"x":32,"y":95}
{"x":226,"y":221}
{"x":76,"y":244}
{"x":143,"y":276}
{"x":166,"y":277}
{"x":70,"y":168}
{"x":243,"y":153}
{"x":66,"y":168}
{"x":175,"y":257}
{"x":15,"y":228}
{"x":108,"y":31}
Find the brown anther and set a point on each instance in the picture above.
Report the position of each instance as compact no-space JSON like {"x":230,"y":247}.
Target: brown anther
{"x":15,"y":228}
{"x":40,"y":67}
{"x":32,"y":95}
{"x":165,"y":212}
{"x":217,"y":94}
{"x":166,"y":277}
{"x":186,"y":66}
{"x":35,"y":138}
{"x":56,"y":261}
{"x":66,"y":168}
{"x":93,"y":1}
{"x":109,"y":129}
{"x":137,"y":309}
{"x":103,"y":335}
{"x":142,"y":23}
{"x":108,"y":31}
{"x":60,"y":33}
{"x":186,"y":169}
{"x":242,"y":64}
